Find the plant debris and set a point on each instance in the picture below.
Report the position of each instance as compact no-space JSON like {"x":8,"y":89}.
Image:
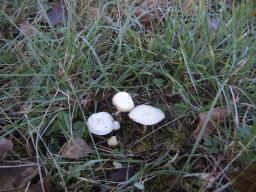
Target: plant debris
{"x":187,"y":5}
{"x":16,"y":177}
{"x":151,"y":12}
{"x":244,"y":178}
{"x":43,"y":186}
{"x":5,"y":146}
{"x":93,"y":14}
{"x":1,"y":36}
{"x":176,"y":55}
{"x":217,"y":117}
{"x":123,"y":174}
{"x":57,"y":15}
{"x":209,"y":178}
{"x":75,"y":149}
{"x":27,"y":29}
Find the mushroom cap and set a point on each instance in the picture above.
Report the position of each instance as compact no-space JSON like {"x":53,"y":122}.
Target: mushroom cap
{"x":123,"y":102}
{"x":101,"y":123}
{"x":146,"y":115}
{"x":117,"y":126}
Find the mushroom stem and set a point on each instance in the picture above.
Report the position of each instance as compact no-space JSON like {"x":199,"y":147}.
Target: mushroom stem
{"x":117,"y":113}
{"x":112,"y":141}
{"x":145,"y":127}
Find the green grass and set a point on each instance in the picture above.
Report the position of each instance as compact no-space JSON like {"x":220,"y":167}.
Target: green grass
{"x":49,"y":85}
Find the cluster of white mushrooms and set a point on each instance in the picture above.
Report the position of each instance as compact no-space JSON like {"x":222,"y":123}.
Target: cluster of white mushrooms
{"x":103,"y":123}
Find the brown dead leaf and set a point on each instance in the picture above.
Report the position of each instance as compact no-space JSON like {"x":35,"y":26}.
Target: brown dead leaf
{"x":57,"y":15}
{"x":5,"y":146}
{"x":75,"y":149}
{"x":13,"y":178}
{"x":218,"y":116}
{"x":144,"y":17}
{"x":150,"y":3}
{"x":254,"y":13}
{"x":244,"y":178}
{"x":27,"y":29}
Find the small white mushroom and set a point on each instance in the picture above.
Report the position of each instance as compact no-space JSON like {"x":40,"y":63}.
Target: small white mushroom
{"x":117,"y":165}
{"x":123,"y":102}
{"x":146,"y":115}
{"x":101,"y":123}
{"x":112,"y":141}
{"x":116,"y":125}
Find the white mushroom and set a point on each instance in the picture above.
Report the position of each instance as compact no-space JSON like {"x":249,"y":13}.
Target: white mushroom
{"x":117,"y":125}
{"x":101,"y":123}
{"x":112,"y":141}
{"x":146,"y":115}
{"x":117,"y":165}
{"x":123,"y":102}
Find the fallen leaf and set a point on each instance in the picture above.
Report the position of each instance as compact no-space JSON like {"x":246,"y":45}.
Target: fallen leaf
{"x":150,"y":3}
{"x":75,"y":149}
{"x":244,"y":178}
{"x":27,"y":29}
{"x":16,"y":177}
{"x":144,"y":17}
{"x":57,"y":15}
{"x":5,"y":146}
{"x":218,"y":116}
{"x":123,"y":174}
{"x":254,"y":13}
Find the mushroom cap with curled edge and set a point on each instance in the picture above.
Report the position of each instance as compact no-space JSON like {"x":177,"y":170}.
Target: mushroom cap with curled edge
{"x":123,"y":102}
{"x":146,"y":115}
{"x":101,"y":123}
